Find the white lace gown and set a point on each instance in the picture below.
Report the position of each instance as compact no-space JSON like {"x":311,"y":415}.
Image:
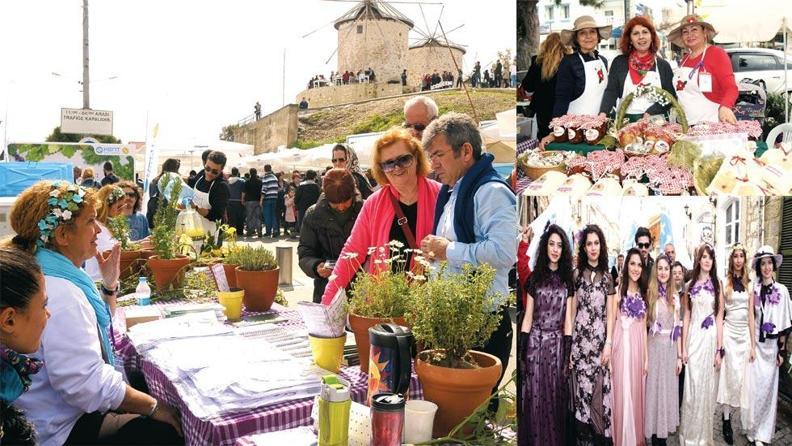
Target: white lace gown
{"x":701,"y":381}
{"x":737,"y":343}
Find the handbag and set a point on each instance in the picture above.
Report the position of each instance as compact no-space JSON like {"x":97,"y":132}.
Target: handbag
{"x":402,"y":221}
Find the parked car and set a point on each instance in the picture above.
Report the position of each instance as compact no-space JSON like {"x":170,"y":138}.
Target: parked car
{"x":762,"y":64}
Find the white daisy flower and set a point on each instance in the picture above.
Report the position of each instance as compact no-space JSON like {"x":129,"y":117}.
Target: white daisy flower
{"x":66,"y":215}
{"x":396,"y":243}
{"x":371,"y":250}
{"x":55,"y":193}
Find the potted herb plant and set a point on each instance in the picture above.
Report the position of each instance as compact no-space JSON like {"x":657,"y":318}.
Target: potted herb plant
{"x":166,"y":263}
{"x":450,"y":314}
{"x":378,"y":298}
{"x":257,"y":274}
{"x":130,"y":251}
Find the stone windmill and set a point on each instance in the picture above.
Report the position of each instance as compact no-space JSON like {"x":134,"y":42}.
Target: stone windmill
{"x":374,"y":34}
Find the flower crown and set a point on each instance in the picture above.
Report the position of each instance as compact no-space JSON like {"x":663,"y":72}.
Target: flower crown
{"x":115,"y":195}
{"x":61,"y":204}
{"x":739,"y":247}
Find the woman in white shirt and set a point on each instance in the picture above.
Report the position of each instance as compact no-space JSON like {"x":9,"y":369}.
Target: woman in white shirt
{"x":79,"y":397}
{"x":110,"y":204}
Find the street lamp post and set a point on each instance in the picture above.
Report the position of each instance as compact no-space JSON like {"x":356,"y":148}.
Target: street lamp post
{"x":86,"y":80}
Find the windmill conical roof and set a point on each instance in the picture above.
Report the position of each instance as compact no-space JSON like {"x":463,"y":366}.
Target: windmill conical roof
{"x":432,"y":41}
{"x":373,"y":10}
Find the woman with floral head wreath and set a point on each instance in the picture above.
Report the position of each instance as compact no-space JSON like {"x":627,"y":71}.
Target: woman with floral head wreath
{"x":112,"y":203}
{"x":665,"y":353}
{"x":344,"y":157}
{"x":738,"y":337}
{"x":702,"y":348}
{"x":79,"y":397}
{"x":23,"y":316}
{"x":773,"y":313}
{"x":629,"y":358}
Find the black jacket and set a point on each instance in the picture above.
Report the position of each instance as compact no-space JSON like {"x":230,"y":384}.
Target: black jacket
{"x":571,"y":80}
{"x":543,"y":96}
{"x":321,"y":238}
{"x":618,"y":74}
{"x":306,"y":196}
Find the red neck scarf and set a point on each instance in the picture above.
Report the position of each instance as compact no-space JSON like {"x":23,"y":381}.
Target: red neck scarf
{"x":639,"y":65}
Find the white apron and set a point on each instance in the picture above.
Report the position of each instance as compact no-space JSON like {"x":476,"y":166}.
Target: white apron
{"x":697,"y":107}
{"x":596,"y":80}
{"x":639,"y":105}
{"x":201,"y":199}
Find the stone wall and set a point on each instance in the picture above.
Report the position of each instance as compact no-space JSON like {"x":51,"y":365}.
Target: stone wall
{"x":377,"y":44}
{"x":276,"y":129}
{"x":772,"y":221}
{"x":345,"y":94}
{"x":430,"y":58}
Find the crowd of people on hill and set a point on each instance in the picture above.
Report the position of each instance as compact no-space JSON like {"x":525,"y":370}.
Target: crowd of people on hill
{"x":345,"y":78}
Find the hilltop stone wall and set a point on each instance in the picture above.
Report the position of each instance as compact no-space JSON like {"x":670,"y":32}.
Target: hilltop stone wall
{"x":276,"y":129}
{"x":428,"y":59}
{"x":345,"y":94}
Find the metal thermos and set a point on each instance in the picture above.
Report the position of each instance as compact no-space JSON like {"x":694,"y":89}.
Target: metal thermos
{"x":334,"y":404}
{"x":387,"y":419}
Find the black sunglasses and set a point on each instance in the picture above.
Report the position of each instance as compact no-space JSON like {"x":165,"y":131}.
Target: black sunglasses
{"x":131,"y":194}
{"x":402,"y":161}
{"x":338,"y":160}
{"x":212,"y":171}
{"x":417,"y":127}
{"x":644,"y":245}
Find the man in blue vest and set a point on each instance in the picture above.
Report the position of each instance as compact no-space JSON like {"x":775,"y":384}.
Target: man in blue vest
{"x":475,"y":215}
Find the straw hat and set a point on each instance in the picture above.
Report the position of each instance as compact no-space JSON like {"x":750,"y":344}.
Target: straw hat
{"x":766,"y":251}
{"x":583,"y":22}
{"x":675,"y":36}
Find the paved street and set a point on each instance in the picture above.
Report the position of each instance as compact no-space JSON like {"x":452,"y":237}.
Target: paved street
{"x":783,"y":435}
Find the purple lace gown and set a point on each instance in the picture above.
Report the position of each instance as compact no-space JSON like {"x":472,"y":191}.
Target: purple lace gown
{"x":544,"y":389}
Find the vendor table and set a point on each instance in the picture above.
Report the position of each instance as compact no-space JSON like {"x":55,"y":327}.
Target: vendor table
{"x":224,"y":430}
{"x":583,"y":149}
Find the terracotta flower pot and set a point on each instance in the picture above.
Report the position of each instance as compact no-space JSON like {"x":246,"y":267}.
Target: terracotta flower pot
{"x":230,"y":273}
{"x":166,"y":272}
{"x":360,"y":326}
{"x":260,"y":287}
{"x":128,"y":266}
{"x":457,"y":392}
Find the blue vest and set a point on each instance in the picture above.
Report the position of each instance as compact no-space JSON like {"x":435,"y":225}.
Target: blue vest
{"x":482,"y":172}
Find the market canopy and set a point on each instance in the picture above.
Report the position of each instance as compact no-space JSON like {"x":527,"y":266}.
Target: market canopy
{"x":735,"y":26}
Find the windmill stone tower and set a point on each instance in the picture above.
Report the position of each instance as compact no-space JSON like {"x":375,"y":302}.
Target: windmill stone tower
{"x":373,"y":35}
{"x":430,"y":55}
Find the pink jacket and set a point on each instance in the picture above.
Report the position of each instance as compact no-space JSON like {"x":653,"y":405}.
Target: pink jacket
{"x":372,"y":229}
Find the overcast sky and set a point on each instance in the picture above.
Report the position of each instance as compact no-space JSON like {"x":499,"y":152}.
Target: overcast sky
{"x":192,"y":66}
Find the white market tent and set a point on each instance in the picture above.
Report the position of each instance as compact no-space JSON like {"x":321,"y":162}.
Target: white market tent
{"x":189,"y":153}
{"x":766,"y":19}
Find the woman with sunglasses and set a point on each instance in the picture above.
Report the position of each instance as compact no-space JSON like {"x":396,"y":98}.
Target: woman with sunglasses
{"x":344,"y":157}
{"x":406,"y":197}
{"x":111,"y":203}
{"x":138,"y":226}
{"x":702,"y":348}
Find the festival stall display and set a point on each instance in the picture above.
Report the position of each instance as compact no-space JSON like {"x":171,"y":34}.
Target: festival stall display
{"x":653,"y":156}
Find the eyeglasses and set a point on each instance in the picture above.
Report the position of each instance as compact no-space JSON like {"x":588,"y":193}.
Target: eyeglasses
{"x":644,"y":245}
{"x":338,"y":160}
{"x":212,"y":171}
{"x":417,"y":127}
{"x":401,"y":162}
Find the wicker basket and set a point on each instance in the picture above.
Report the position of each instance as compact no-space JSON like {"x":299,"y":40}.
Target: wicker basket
{"x":625,"y":104}
{"x":536,"y":172}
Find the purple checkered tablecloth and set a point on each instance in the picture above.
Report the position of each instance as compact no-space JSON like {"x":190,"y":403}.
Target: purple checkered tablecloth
{"x":522,"y":180}
{"x":224,"y":430}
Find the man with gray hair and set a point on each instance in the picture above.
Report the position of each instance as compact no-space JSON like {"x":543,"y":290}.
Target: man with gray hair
{"x":419,"y":111}
{"x":475,"y":214}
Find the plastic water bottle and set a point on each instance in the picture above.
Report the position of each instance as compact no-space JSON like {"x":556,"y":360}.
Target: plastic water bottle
{"x":143,"y":292}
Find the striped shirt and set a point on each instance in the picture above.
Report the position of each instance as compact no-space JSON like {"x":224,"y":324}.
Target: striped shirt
{"x":269,"y":186}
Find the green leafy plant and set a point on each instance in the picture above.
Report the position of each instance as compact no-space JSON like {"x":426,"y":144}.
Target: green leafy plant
{"x":119,"y":227}
{"x":250,"y":258}
{"x":163,"y":236}
{"x":385,"y":294}
{"x":199,"y":284}
{"x":452,"y":313}
{"x":280,"y":298}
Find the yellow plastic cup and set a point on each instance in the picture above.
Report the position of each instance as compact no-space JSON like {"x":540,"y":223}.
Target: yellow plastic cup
{"x":232,"y":301}
{"x":328,"y":352}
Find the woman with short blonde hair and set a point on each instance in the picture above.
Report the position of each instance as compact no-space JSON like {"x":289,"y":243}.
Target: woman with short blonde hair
{"x":402,"y":209}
